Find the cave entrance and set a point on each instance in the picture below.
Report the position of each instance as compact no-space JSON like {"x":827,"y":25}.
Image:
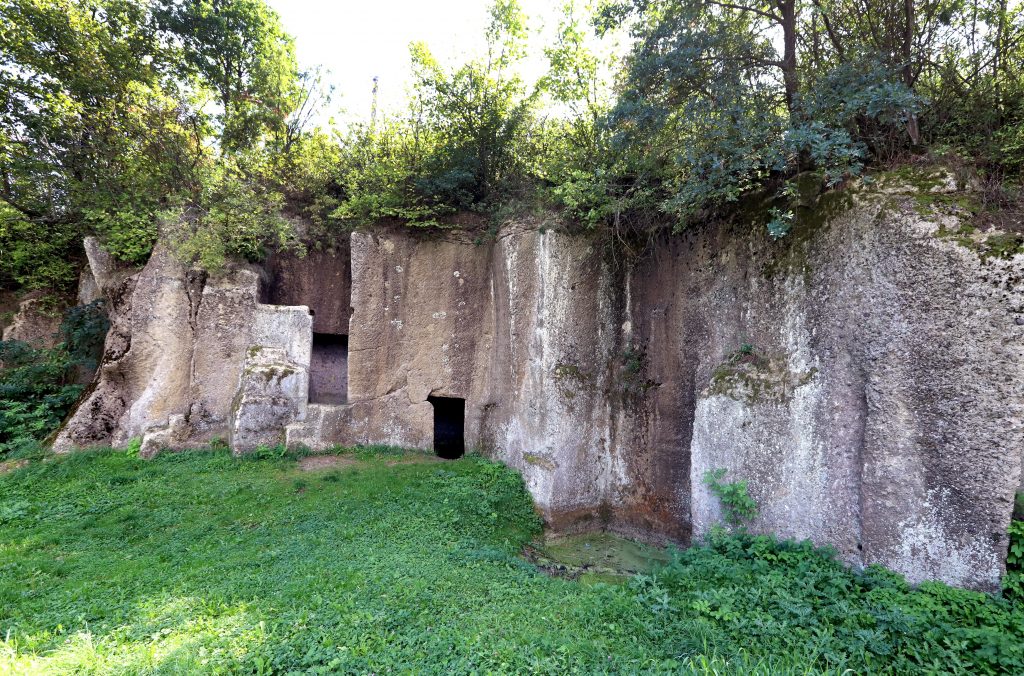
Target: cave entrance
{"x":449,"y":427}
{"x":328,"y":369}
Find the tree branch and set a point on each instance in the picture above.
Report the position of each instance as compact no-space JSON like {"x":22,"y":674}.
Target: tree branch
{"x":771,"y":16}
{"x":832,"y":37}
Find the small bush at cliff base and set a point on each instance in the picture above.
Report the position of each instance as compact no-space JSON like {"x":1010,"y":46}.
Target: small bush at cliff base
{"x":738,"y":508}
{"x":1013,"y":583}
{"x":395,"y":563}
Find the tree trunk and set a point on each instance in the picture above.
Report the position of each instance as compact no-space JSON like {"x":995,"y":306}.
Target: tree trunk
{"x":997,"y":62}
{"x":909,"y":30}
{"x":790,"y":76}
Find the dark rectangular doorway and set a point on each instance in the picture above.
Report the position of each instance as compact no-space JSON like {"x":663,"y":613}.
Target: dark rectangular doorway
{"x":449,"y":426}
{"x":328,"y":369}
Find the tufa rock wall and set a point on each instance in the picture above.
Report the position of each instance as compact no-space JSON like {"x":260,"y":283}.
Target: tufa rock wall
{"x":865,"y":374}
{"x":320,"y":280}
{"x":522,"y":328}
{"x":36,"y":322}
{"x":175,"y":356}
{"x":866,"y":378}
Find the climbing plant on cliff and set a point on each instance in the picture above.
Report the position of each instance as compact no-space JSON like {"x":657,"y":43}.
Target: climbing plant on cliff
{"x":738,"y":508}
{"x":1013,"y":583}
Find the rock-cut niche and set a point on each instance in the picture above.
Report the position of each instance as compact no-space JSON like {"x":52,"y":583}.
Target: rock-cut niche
{"x":322,"y":281}
{"x":449,"y":426}
{"x":328,"y":369}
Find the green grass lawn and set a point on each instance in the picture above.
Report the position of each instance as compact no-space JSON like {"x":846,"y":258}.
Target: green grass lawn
{"x":199,"y":563}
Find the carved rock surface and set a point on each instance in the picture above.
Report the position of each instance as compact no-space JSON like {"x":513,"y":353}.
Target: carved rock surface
{"x":882,"y":413}
{"x":175,"y":347}
{"x":319,"y":280}
{"x":865,"y":374}
{"x":274,"y":386}
{"x":272,"y":395}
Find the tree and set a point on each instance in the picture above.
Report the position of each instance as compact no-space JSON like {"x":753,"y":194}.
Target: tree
{"x":725,"y":97}
{"x":103,"y":125}
{"x":460,"y":143}
{"x":578,"y":78}
{"x":240,"y":50}
{"x":478,"y":110}
{"x":94,"y":132}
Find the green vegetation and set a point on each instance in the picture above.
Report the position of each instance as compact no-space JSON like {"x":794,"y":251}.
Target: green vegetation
{"x":118,"y":116}
{"x":459,"y":145}
{"x":192,"y":122}
{"x":387,"y":562}
{"x":38,"y":387}
{"x":1013,"y":583}
{"x":738,"y":507}
{"x":749,"y":376}
{"x":129,"y":119}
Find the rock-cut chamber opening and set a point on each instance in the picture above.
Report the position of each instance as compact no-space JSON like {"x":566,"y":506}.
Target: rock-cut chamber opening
{"x":328,"y":369}
{"x":449,"y":426}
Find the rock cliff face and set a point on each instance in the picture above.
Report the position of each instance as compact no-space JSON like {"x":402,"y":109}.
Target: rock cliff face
{"x":175,"y":357}
{"x":870,"y":388}
{"x":34,"y":323}
{"x":865,"y":374}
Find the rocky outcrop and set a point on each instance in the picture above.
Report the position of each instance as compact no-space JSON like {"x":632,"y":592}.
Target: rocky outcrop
{"x":866,"y":378}
{"x":865,"y":374}
{"x":518,"y":328}
{"x":36,"y":322}
{"x":173,"y":358}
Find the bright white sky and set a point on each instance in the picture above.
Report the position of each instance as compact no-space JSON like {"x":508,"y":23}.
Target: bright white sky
{"x":358,"y":39}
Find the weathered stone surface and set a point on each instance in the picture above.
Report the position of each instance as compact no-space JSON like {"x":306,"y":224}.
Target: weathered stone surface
{"x":274,"y":386}
{"x":286,"y":327}
{"x":319,"y":280}
{"x":175,"y":348}
{"x":886,"y":419}
{"x":226,"y":314}
{"x":865,"y":375}
{"x":612,"y":390}
{"x":104,"y":268}
{"x":174,"y":436}
{"x":545,"y":406}
{"x":143,"y":377}
{"x":88,"y":289}
{"x":518,"y":328}
{"x":272,"y":395}
{"x":36,"y":322}
{"x":102,"y":275}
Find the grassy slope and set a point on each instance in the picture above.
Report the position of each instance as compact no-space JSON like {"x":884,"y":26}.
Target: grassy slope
{"x":199,"y":563}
